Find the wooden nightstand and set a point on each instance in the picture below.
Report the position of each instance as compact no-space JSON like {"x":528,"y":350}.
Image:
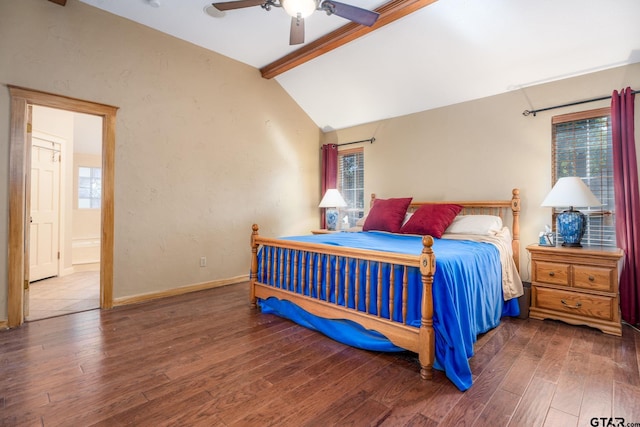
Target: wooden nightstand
{"x":576,"y":285}
{"x":324,"y":231}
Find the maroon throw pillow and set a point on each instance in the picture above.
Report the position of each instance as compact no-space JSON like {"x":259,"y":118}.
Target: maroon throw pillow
{"x":387,"y":215}
{"x":431,"y":219}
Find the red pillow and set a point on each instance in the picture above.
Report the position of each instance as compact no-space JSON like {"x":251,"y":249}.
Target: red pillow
{"x":431,"y":219}
{"x":387,"y":215}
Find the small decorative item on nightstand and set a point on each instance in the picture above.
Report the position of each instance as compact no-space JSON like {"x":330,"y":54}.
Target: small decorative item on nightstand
{"x":331,"y":201}
{"x":547,"y":237}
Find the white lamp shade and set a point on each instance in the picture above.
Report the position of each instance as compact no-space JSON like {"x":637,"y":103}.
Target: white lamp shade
{"x":332,"y":199}
{"x":570,"y":191}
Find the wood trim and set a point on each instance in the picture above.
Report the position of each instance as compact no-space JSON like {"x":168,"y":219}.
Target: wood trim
{"x":107,"y":209}
{"x":389,"y":13}
{"x":515,"y":226}
{"x":179,"y":291}
{"x":62,"y":102}
{"x":342,"y":251}
{"x":17,"y":188}
{"x":581,"y":115}
{"x":18,"y":167}
{"x":27,"y":211}
{"x":348,"y":151}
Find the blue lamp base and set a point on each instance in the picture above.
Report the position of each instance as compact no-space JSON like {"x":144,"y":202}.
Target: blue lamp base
{"x":332,"y":218}
{"x":571,"y":227}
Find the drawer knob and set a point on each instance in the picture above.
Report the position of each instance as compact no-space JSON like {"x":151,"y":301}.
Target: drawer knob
{"x":566,"y":304}
{"x":592,"y":279}
{"x":551,"y":273}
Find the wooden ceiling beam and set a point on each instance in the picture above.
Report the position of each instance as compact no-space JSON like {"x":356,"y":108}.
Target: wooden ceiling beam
{"x":389,"y":12}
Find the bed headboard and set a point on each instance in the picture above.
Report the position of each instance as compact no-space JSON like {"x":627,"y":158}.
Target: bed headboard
{"x":500,"y":208}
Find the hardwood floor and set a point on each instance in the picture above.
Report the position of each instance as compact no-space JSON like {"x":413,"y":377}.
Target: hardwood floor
{"x":62,"y":295}
{"x":208,"y":359}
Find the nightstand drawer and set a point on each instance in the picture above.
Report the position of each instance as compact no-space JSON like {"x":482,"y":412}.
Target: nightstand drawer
{"x":552,"y":272}
{"x":593,"y":306}
{"x":594,"y":278}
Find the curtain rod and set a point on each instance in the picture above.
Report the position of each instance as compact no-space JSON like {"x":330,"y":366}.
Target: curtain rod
{"x":370,"y":140}
{"x":527,"y":112}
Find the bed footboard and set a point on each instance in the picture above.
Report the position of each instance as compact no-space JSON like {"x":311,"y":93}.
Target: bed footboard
{"x":370,"y":288}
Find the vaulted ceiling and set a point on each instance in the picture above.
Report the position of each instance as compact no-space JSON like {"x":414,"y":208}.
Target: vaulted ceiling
{"x":441,"y":53}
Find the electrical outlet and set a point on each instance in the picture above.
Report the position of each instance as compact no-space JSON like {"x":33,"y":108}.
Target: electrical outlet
{"x":203,"y":261}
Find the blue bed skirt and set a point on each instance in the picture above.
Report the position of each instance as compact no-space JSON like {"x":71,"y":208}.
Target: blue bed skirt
{"x":467,"y":295}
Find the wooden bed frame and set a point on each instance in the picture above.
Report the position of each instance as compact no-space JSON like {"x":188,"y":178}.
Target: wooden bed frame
{"x":418,"y":340}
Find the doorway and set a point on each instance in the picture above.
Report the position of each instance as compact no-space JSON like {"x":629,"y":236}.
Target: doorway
{"x":22,"y":100}
{"x":64,"y":228}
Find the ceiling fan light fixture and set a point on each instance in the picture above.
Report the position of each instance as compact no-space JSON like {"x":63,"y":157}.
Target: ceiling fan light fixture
{"x":299,"y":8}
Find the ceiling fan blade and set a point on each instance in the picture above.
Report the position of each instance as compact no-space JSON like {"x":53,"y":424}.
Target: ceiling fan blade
{"x":296,"y":36}
{"x":352,"y":13}
{"x":238,"y":4}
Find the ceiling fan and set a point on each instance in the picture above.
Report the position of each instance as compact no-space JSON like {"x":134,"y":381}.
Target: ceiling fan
{"x":300,"y":9}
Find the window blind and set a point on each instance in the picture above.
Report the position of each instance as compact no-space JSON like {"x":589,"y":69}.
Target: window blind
{"x":582,"y":147}
{"x":351,"y":183}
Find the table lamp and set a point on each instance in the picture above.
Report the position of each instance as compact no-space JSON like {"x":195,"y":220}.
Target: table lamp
{"x":571,"y":191}
{"x":331,"y":201}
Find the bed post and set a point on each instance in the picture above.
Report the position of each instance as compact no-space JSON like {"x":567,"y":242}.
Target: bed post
{"x":515,"y":229}
{"x":426,"y":351}
{"x":254,"y":265}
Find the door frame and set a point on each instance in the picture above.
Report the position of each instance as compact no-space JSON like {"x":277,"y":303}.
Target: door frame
{"x":19,"y":166}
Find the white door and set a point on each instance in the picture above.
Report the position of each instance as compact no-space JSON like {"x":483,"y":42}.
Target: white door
{"x":45,"y":212}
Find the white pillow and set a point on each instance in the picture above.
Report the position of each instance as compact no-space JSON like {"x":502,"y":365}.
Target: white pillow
{"x":475,"y":224}
{"x":407,"y":217}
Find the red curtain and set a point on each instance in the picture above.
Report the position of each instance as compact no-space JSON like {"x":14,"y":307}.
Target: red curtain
{"x":329,"y":174}
{"x":625,"y":173}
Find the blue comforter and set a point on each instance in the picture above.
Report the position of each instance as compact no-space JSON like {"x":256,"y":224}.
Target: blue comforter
{"x":467,"y":298}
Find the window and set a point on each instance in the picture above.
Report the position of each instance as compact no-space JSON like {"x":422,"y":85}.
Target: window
{"x":351,"y":182}
{"x":89,"y":187}
{"x":582,"y":147}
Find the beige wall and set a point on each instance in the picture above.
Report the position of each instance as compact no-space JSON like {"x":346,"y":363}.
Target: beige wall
{"x":481,"y":149}
{"x":202,"y":152}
